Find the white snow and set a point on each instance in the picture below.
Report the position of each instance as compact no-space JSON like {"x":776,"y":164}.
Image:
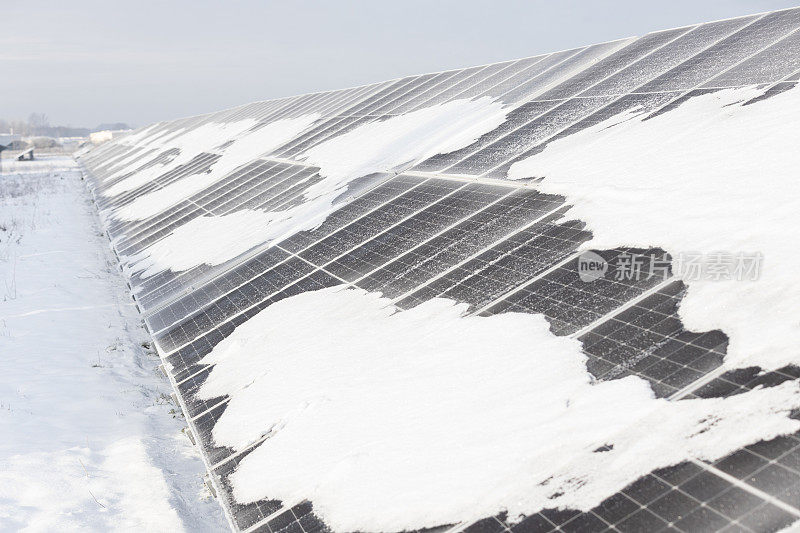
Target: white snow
{"x":386,"y":144}
{"x":210,"y":240}
{"x":247,"y":146}
{"x":189,"y":143}
{"x":373,"y":147}
{"x":90,"y":438}
{"x":136,"y":137}
{"x":389,"y":420}
{"x":711,"y":175}
{"x":130,"y":140}
{"x":141,"y":177}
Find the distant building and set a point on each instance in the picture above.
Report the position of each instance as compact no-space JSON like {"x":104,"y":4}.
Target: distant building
{"x":99,"y":137}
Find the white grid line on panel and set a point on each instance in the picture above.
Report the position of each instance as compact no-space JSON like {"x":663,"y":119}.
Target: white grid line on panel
{"x":627,"y":305}
{"x":528,"y":282}
{"x":747,"y":487}
{"x":484,"y":250}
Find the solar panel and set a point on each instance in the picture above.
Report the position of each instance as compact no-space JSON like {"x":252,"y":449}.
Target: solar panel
{"x":447,"y":223}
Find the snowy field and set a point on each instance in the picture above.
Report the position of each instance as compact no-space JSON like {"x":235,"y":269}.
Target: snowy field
{"x":90,"y":437}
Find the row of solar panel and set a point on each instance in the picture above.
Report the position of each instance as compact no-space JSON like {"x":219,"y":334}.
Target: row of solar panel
{"x":678,"y":505}
{"x":565,"y":293}
{"x":257,"y":183}
{"x":401,"y":92}
{"x":497,"y":248}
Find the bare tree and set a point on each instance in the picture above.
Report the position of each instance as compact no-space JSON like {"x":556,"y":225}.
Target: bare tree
{"x":38,"y":122}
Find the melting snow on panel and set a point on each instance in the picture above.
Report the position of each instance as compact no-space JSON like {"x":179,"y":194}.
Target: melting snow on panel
{"x":392,"y":420}
{"x":730,"y":170}
{"x":431,"y":417}
{"x":247,"y":144}
{"x":378,"y":146}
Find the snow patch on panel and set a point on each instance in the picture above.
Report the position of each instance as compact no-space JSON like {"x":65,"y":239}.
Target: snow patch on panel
{"x":245,"y":148}
{"x":204,"y":240}
{"x":730,"y":170}
{"x":387,"y":144}
{"x":432,"y":418}
{"x":189,"y":144}
{"x":374,"y":147}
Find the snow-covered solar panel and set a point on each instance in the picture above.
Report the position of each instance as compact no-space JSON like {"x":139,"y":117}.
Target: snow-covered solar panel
{"x":445,"y":187}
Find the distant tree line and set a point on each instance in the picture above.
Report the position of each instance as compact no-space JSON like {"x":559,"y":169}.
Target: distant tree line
{"x":39,"y":125}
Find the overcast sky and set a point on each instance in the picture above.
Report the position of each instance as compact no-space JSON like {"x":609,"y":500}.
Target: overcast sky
{"x":83,"y":62}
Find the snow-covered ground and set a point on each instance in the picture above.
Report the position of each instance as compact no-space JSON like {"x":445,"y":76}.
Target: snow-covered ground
{"x":90,"y":437}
